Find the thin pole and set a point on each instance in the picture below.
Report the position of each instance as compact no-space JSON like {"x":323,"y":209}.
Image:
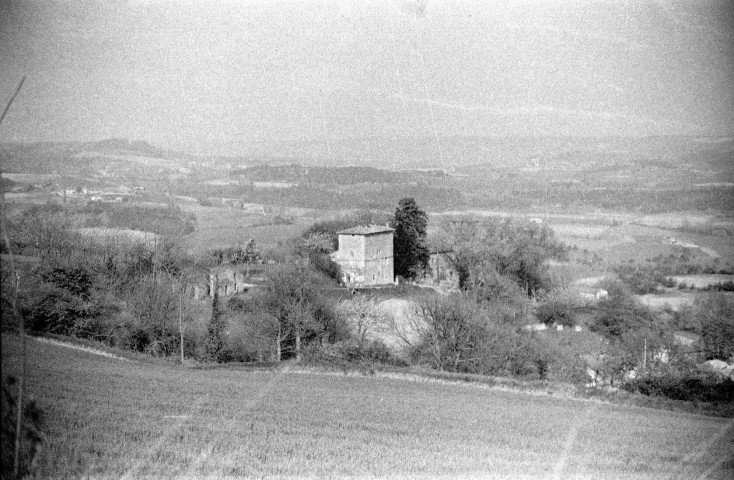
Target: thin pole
{"x":21,"y":327}
{"x":7,"y":107}
{"x":21,"y":382}
{"x":16,"y":310}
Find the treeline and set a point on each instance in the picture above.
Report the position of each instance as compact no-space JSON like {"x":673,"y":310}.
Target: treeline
{"x":379,"y":196}
{"x":500,"y":196}
{"x":166,"y":221}
{"x":330,"y":175}
{"x":612,"y":198}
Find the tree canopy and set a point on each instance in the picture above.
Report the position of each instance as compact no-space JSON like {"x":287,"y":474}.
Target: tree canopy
{"x":483,"y":251}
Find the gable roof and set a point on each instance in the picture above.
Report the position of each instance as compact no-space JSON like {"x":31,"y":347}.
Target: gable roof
{"x":366,"y":230}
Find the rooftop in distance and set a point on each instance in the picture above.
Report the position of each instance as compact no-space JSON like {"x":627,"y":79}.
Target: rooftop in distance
{"x":366,"y":230}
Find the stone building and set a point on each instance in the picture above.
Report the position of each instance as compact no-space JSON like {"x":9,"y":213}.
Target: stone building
{"x":365,"y":255}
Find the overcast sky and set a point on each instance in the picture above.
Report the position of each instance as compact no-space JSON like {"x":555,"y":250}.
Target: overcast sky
{"x":215,"y":76}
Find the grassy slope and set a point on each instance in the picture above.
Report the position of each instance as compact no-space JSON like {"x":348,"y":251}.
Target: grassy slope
{"x":106,"y":417}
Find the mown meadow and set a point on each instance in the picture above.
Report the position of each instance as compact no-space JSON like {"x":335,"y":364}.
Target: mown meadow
{"x":105,"y":417}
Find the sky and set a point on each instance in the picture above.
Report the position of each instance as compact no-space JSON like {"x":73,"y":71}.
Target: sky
{"x":219,"y":76}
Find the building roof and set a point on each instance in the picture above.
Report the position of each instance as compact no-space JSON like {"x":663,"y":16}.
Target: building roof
{"x":366,"y":230}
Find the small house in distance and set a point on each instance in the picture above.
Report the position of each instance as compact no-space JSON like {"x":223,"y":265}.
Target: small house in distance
{"x":365,"y":255}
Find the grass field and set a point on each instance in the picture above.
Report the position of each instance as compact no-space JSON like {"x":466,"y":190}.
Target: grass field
{"x":122,"y":419}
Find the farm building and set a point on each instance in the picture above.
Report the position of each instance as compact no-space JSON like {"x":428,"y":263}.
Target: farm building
{"x":365,"y":255}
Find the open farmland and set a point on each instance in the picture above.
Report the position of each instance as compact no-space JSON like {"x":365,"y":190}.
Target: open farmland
{"x":222,"y":227}
{"x":110,"y":418}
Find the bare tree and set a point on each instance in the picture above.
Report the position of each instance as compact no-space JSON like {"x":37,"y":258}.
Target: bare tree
{"x":449,"y":330}
{"x":295,"y":296}
{"x":365,"y":316}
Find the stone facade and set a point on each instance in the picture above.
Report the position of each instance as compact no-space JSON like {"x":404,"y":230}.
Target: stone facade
{"x":365,"y":256}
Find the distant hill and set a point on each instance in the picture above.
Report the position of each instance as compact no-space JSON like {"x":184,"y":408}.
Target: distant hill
{"x":122,"y":145}
{"x":50,"y":157}
{"x":462,"y":152}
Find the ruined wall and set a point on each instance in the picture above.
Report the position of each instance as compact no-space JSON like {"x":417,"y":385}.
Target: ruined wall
{"x":227,"y":281}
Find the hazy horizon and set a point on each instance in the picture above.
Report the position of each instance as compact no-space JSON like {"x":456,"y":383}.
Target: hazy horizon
{"x":219,"y":77}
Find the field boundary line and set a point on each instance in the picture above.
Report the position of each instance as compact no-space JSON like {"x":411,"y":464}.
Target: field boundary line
{"x":82,"y":348}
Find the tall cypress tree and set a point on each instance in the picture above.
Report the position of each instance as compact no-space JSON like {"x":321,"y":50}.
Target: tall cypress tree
{"x":215,"y":330}
{"x":410,"y":251}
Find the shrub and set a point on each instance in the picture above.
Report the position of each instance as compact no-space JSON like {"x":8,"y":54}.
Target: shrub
{"x":77,"y":280}
{"x":616,"y":317}
{"x":461,"y":336}
{"x":685,"y":319}
{"x":668,"y":282}
{"x":615,"y":288}
{"x":374,"y":351}
{"x":715,"y":312}
{"x":248,"y":338}
{"x":55,"y":310}
{"x":621,"y":314}
{"x":690,"y":386}
{"x":352,"y":352}
{"x":505,"y":351}
{"x":556,"y":311}
{"x":641,"y":279}
{"x":727,"y":286}
{"x":559,"y":359}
